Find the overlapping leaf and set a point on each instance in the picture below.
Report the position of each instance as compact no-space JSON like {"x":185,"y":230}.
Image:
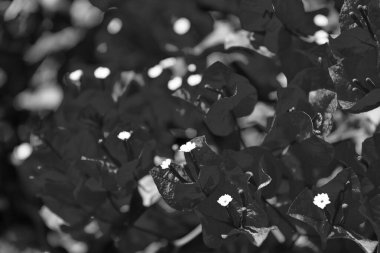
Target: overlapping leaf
{"x":340,"y":218}
{"x":238,"y":98}
{"x":288,"y":128}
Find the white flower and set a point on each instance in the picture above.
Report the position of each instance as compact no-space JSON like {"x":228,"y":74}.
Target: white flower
{"x":76,"y":75}
{"x":155,"y":71}
{"x":321,"y":37}
{"x":165,"y":164}
{"x":102,"y":72}
{"x":321,"y":20}
{"x":224,"y":200}
{"x":188,"y":146}
{"x":194,"y":80}
{"x":114,"y":26}
{"x":175,"y":83}
{"x":21,"y":153}
{"x":321,"y":200}
{"x":181,"y":26}
{"x":124,"y":135}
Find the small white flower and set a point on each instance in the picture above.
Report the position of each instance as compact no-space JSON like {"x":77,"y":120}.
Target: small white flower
{"x":124,"y":135}
{"x":102,"y":72}
{"x":155,"y":71}
{"x":114,"y":26}
{"x":321,"y":37}
{"x":188,"y":146}
{"x":191,"y":67}
{"x":194,"y":80}
{"x":175,"y":83}
{"x":165,"y":164}
{"x":21,"y":153}
{"x":76,"y":75}
{"x":321,"y":200}
{"x":321,"y":20}
{"x":181,"y":26}
{"x":224,"y":200}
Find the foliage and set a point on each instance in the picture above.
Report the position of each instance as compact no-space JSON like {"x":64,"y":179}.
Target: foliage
{"x":191,"y":125}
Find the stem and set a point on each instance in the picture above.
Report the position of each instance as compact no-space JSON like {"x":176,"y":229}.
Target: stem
{"x":338,"y":206}
{"x":244,"y":203}
{"x":187,"y":238}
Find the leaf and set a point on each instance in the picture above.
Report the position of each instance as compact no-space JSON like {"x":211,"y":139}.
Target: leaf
{"x":374,"y":15}
{"x":227,"y":221}
{"x":287,"y":129}
{"x":312,"y":157}
{"x":369,"y":102}
{"x":186,"y":195}
{"x":293,"y":98}
{"x":201,"y":157}
{"x":358,"y":56}
{"x":302,"y":209}
{"x":259,"y":69}
{"x":365,"y":244}
{"x":224,"y":81}
{"x":255,"y":235}
{"x":293,"y":15}
{"x":352,"y":42}
{"x":266,"y":169}
{"x":311,"y":79}
{"x":203,"y":153}
{"x":184,"y":187}
{"x":346,"y":96}
{"x":371,"y":210}
{"x":89,"y":107}
{"x":73,"y":143}
{"x":255,"y":14}
{"x":249,"y":161}
{"x":337,"y":217}
{"x":346,"y":155}
{"x":221,"y":118}
{"x":126,"y":150}
{"x":181,"y":196}
{"x":90,"y":193}
{"x":126,"y":175}
{"x":71,"y":214}
{"x":371,"y":147}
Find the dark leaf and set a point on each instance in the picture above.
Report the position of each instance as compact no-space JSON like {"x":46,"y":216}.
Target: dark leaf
{"x":287,"y":129}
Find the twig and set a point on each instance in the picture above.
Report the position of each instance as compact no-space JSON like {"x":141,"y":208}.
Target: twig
{"x":187,"y":238}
